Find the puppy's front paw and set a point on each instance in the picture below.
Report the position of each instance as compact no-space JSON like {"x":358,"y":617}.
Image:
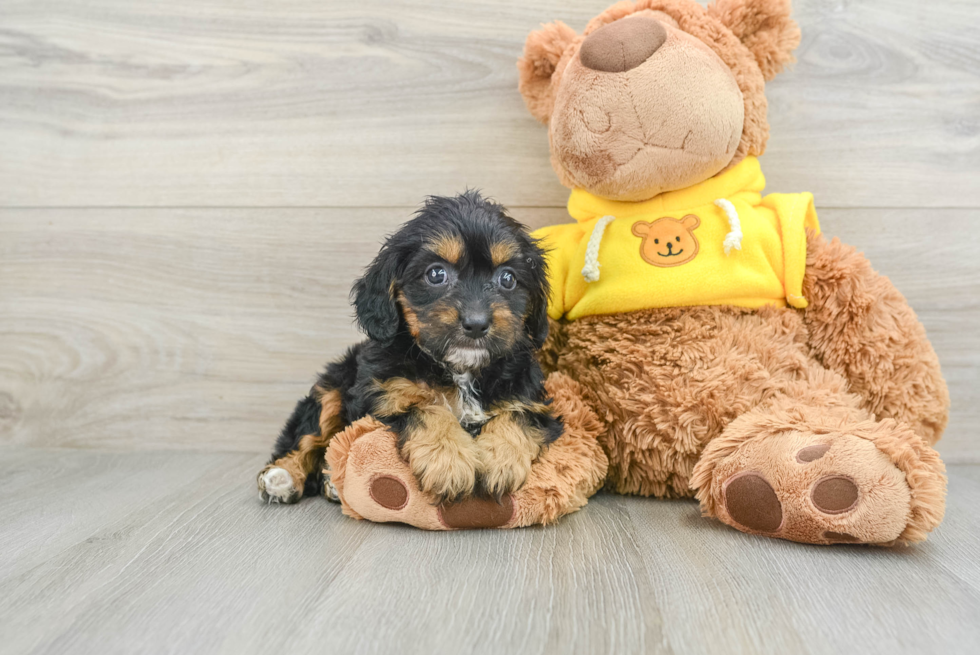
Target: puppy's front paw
{"x":444,"y":467}
{"x":276,"y":486}
{"x":506,"y":454}
{"x":501,"y":476}
{"x":504,"y":469}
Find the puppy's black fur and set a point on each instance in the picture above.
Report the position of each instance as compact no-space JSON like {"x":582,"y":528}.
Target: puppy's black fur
{"x":459,"y":292}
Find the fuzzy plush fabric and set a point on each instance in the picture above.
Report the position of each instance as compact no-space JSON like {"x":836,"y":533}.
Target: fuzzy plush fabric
{"x":694,"y":397}
{"x":373,"y":482}
{"x":812,"y":422}
{"x":601,"y":143}
{"x":861,"y":326}
{"x":764,"y":27}
{"x":542,"y":66}
{"x":797,"y":444}
{"x":702,"y":93}
{"x":665,"y":382}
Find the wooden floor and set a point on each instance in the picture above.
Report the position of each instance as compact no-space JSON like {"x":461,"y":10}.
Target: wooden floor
{"x":188,"y":189}
{"x":173,"y":552}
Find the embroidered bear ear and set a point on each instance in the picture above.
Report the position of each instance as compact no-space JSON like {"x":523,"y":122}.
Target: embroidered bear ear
{"x":764,"y":27}
{"x":542,"y":52}
{"x":690,"y":222}
{"x":640,"y":228}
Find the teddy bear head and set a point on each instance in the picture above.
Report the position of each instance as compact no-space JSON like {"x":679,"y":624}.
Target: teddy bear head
{"x":656,"y":95}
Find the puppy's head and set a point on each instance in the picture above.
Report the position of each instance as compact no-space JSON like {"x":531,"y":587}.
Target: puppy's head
{"x":463,"y":279}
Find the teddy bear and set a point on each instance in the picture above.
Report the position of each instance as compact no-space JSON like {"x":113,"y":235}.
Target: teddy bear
{"x":730,"y":351}
{"x":706,"y":340}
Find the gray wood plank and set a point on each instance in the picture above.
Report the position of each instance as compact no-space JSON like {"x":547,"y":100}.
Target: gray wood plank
{"x":200,"y":328}
{"x":312,"y":103}
{"x":52,"y":499}
{"x":193,"y":562}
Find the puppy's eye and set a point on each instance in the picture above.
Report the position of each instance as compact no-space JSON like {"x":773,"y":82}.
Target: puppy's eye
{"x":506,"y":279}
{"x":436,"y":275}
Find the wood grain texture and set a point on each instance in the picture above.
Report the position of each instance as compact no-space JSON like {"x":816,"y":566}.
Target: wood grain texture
{"x":200,"y":328}
{"x":313,"y":103}
{"x":174,"y":552}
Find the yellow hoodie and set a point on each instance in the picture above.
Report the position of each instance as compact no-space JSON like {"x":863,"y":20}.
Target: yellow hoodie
{"x":715,"y":243}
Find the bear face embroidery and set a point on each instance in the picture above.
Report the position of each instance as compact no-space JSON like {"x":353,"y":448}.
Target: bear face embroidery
{"x":668,"y":241}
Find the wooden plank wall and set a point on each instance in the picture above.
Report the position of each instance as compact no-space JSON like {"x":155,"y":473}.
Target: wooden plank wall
{"x":188,"y":189}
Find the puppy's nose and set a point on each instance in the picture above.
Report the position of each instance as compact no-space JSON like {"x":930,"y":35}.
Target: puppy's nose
{"x":623,"y":44}
{"x":476,"y":324}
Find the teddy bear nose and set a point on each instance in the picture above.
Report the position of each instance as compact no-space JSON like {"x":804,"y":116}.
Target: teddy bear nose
{"x":622,"y":45}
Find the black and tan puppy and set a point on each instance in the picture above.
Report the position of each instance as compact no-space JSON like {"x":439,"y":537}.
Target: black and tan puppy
{"x":454,"y":306}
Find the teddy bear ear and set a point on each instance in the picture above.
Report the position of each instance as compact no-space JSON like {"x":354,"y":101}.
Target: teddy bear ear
{"x":764,"y":27}
{"x":542,"y":52}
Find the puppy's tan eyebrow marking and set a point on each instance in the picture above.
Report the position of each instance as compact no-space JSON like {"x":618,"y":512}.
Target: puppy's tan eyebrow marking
{"x":449,"y":247}
{"x":503,"y":251}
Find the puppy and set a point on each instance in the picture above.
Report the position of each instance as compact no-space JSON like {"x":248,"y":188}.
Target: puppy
{"x":454,"y":306}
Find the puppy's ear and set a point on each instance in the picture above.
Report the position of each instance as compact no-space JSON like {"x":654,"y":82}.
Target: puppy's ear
{"x":537,"y":324}
{"x":536,"y":320}
{"x":764,"y":27}
{"x":542,"y":52}
{"x":374,"y":298}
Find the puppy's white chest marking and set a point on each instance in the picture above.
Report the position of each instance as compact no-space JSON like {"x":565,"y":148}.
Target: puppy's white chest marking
{"x":468,"y":410}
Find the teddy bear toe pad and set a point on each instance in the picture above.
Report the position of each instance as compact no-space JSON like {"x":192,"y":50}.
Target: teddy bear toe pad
{"x":834,"y":494}
{"x":389,"y":492}
{"x":752,"y":502}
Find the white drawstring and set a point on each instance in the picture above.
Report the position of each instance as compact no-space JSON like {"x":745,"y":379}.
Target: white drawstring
{"x":734,"y":237}
{"x":591,"y":269}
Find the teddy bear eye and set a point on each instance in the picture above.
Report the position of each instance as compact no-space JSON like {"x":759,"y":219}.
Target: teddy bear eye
{"x":678,"y":239}
{"x":656,"y":240}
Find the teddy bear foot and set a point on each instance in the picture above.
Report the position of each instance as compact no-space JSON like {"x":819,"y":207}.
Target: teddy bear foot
{"x":377,"y":484}
{"x":373,"y":481}
{"x":867,"y":483}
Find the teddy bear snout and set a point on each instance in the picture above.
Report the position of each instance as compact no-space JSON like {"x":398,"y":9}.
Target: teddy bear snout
{"x":622,"y":45}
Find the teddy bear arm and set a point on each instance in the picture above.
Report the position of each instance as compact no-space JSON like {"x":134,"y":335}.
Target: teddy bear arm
{"x":861,"y":326}
{"x":373,"y":481}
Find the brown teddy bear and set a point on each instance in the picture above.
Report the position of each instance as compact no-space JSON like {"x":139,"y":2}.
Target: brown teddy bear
{"x":705,"y":335}
{"x":729,"y":350}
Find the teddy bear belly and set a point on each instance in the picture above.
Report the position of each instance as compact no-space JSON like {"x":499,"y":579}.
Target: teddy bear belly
{"x":668,"y":381}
